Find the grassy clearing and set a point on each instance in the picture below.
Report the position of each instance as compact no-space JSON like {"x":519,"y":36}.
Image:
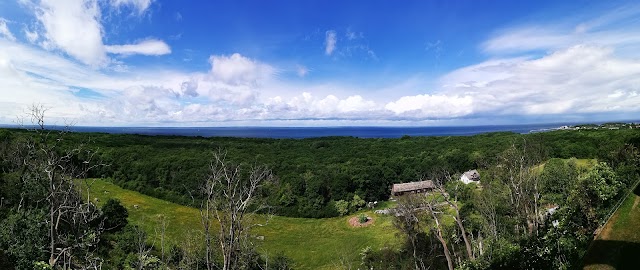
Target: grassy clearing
{"x":581,"y":163}
{"x":311,"y":243}
{"x":618,"y":245}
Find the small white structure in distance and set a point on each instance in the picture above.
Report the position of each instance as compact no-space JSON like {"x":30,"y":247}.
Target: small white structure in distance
{"x":471,"y":176}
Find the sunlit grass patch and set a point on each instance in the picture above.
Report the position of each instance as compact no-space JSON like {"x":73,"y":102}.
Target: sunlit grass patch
{"x":311,"y":243}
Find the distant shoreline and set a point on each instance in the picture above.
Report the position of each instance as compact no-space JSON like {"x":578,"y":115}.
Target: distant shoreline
{"x":316,"y":132}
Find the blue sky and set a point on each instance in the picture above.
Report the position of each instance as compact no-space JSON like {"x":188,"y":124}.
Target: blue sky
{"x":319,"y":63}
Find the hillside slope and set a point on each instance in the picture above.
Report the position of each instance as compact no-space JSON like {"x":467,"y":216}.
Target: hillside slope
{"x":311,"y":243}
{"x":618,"y":244}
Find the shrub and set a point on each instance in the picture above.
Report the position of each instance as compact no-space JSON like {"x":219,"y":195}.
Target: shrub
{"x":362,"y":218}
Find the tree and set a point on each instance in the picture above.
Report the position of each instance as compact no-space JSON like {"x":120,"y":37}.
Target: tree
{"x":453,"y":203}
{"x":53,"y":167}
{"x":516,"y":169}
{"x":407,"y":221}
{"x":342,"y":207}
{"x":114,"y":215}
{"x":231,"y":196}
{"x":357,"y":203}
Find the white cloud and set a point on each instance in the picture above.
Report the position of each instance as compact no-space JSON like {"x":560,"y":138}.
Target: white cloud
{"x":4,"y":30}
{"x":432,"y":106}
{"x":330,"y":42}
{"x":73,"y":26}
{"x":32,"y":36}
{"x":580,"y":79}
{"x":307,"y":106}
{"x":604,"y":30}
{"x":237,"y":69}
{"x":146,"y":47}
{"x":139,"y":5}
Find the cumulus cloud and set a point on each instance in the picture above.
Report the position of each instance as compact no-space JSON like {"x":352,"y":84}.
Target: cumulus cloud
{"x":73,"y":26}
{"x":330,"y":41}
{"x":4,"y":30}
{"x":237,"y":69}
{"x":432,"y":106}
{"x":146,"y":47}
{"x":308,"y":106}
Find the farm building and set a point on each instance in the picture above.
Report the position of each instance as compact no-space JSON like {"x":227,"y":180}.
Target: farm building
{"x":412,"y":187}
{"x":471,"y":176}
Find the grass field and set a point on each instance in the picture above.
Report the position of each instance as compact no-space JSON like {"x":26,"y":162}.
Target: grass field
{"x":618,"y":244}
{"x":311,"y":243}
{"x":582,"y":163}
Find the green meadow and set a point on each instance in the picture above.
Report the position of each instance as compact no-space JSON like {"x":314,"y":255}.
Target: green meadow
{"x":310,"y":243}
{"x":618,"y":244}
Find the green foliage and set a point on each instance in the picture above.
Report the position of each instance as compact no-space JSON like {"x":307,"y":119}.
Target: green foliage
{"x":357,"y":203}
{"x":281,"y":262}
{"x":114,"y":215}
{"x":558,"y":178}
{"x":342,"y":207}
{"x":363,"y":218}
{"x":601,"y":182}
{"x":23,"y":237}
{"x":313,"y":173}
{"x":40,"y":265}
{"x":327,"y":177}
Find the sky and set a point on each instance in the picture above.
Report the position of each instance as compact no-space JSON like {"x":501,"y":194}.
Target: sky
{"x":319,"y":63}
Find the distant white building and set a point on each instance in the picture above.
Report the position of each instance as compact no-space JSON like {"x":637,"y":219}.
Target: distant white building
{"x":471,"y":176}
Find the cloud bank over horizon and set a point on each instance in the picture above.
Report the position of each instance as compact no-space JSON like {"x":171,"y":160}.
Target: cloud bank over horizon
{"x":83,"y":60}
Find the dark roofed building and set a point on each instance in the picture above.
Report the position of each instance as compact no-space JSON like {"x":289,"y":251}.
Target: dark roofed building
{"x":412,"y":187}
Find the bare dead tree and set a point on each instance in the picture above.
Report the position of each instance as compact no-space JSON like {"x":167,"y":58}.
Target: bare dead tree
{"x":432,"y":207}
{"x":407,"y":221}
{"x":162,"y":231}
{"x":453,"y":203}
{"x":231,"y":198}
{"x":56,"y":168}
{"x":517,"y":164}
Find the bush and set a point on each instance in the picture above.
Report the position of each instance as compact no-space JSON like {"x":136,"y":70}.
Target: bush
{"x":342,"y":207}
{"x":362,"y":218}
{"x":114,"y":215}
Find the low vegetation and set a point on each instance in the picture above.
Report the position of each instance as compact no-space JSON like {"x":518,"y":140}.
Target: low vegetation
{"x":309,"y":243}
{"x":618,"y":244}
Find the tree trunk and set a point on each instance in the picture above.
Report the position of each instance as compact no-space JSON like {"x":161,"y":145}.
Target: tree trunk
{"x":445,"y":249}
{"x":464,"y":236}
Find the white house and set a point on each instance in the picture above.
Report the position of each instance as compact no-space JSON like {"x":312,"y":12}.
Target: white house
{"x":471,"y":176}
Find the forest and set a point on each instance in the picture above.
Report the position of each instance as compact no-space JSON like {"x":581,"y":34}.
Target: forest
{"x":504,"y":223}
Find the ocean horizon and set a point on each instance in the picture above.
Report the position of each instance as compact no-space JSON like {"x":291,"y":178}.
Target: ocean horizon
{"x":315,"y":132}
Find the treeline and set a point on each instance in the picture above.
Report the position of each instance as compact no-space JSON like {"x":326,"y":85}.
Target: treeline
{"x":314,"y":174}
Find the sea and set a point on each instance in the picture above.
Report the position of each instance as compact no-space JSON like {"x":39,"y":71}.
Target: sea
{"x":313,"y":132}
